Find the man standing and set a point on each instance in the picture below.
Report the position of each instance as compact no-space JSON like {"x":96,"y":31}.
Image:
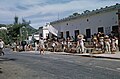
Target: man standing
{"x":80,"y":43}
{"x":23,"y":43}
{"x":41,"y":45}
{"x":1,"y":47}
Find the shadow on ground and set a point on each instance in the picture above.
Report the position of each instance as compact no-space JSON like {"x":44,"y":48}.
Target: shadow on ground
{"x":1,"y":71}
{"x":7,"y":59}
{"x":2,"y":59}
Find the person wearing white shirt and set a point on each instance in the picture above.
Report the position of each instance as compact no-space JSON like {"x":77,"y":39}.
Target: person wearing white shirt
{"x":1,"y":47}
{"x":41,"y":45}
{"x":80,"y":43}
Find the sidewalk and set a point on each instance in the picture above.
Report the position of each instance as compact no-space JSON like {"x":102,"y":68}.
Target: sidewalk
{"x":110,"y":56}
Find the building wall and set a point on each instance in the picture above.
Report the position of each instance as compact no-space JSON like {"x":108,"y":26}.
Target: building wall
{"x":45,"y":33}
{"x":93,"y":22}
{"x":36,"y":36}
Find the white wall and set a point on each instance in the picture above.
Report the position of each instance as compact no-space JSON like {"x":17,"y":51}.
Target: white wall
{"x":45,"y":33}
{"x":36,"y":36}
{"x":106,"y":20}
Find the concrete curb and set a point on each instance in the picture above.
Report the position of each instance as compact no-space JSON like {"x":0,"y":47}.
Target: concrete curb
{"x":106,"y":57}
{"x":76,"y":54}
{"x":99,"y":57}
{"x":92,"y":55}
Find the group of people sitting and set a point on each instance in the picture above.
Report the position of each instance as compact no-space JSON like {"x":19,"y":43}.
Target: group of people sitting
{"x":100,"y":41}
{"x":107,"y":43}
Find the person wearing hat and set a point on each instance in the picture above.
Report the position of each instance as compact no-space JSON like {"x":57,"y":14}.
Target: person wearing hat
{"x":101,"y":42}
{"x":113,"y":45}
{"x":95,"y":42}
{"x":80,"y":43}
{"x":1,"y":47}
{"x":116,"y":43}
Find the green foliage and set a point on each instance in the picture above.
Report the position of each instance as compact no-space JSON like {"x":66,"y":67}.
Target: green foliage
{"x":2,"y":25}
{"x":3,"y":35}
{"x":16,"y":31}
{"x":30,"y":30}
{"x":74,"y":14}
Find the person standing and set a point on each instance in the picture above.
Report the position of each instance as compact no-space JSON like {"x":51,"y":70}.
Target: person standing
{"x":23,"y":43}
{"x":53,"y":45}
{"x":36,"y":46}
{"x":14,"y":46}
{"x":1,"y":47}
{"x":107,"y":44}
{"x":41,"y":45}
{"x":101,"y":42}
{"x":80,"y":43}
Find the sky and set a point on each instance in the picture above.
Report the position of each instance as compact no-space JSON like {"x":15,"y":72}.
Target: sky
{"x":40,"y":12}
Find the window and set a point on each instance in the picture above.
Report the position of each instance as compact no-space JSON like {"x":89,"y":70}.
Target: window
{"x":115,"y":31}
{"x":101,"y":29}
{"x":76,"y":34}
{"x":88,"y":33}
{"x":67,"y":34}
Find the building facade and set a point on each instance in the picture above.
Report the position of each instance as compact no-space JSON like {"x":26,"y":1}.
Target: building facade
{"x":43,"y":32}
{"x":104,"y":20}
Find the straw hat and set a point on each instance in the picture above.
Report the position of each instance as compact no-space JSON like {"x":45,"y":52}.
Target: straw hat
{"x":80,"y":36}
{"x":106,"y":36}
{"x":95,"y":38}
{"x":101,"y":37}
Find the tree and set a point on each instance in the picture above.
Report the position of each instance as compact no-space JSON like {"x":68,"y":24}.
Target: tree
{"x":16,"y":20}
{"x":2,"y":25}
{"x":14,"y":31}
{"x":76,"y":14}
{"x":3,"y":35}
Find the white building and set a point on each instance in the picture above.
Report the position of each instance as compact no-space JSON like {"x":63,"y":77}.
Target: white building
{"x":90,"y":22}
{"x":43,"y":32}
{"x":30,"y":38}
{"x":3,"y":28}
{"x":36,"y":36}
